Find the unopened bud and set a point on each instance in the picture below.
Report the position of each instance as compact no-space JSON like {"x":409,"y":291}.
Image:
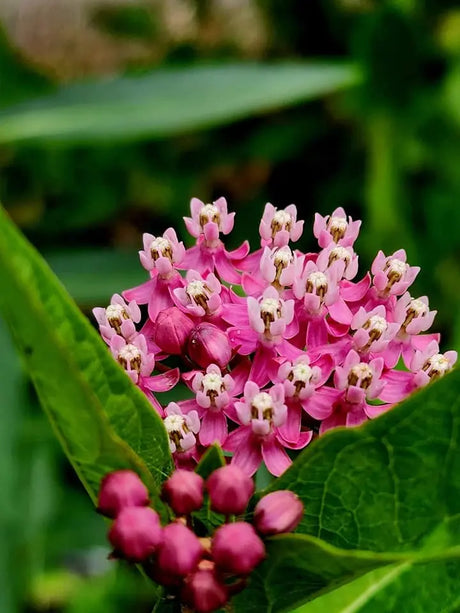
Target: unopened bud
{"x":120,"y":489}
{"x":180,"y":550}
{"x":183,"y":491}
{"x":172,"y":329}
{"x":229,"y":490}
{"x":204,"y":592}
{"x":278,"y":512}
{"x":236,"y":548}
{"x":208,"y":344}
{"x":136,"y":533}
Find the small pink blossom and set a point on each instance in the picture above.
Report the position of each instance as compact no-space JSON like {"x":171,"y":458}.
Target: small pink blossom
{"x":200,"y":296}
{"x":338,"y":253}
{"x":118,"y":318}
{"x":429,"y":364}
{"x":209,"y":219}
{"x":181,"y":428}
{"x":161,"y":253}
{"x":392,"y":274}
{"x":230,"y":490}
{"x":413,"y":315}
{"x":276,"y":268}
{"x":261,"y":414}
{"x":373,"y":332}
{"x":236,"y":548}
{"x":359,"y":380}
{"x":336,"y":228}
{"x":278,"y":227}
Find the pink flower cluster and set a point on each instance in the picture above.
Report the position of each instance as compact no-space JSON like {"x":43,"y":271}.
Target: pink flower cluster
{"x":203,"y":572}
{"x":275,"y":346}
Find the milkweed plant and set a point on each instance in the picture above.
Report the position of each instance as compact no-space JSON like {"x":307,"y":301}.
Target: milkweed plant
{"x":276,"y":347}
{"x":310,"y":454}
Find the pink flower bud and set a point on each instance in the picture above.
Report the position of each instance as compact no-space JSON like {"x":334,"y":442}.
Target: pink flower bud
{"x":180,"y":550}
{"x":229,"y":489}
{"x":278,"y":512}
{"x":172,"y":329}
{"x":236,"y":548}
{"x":121,"y":489}
{"x":136,"y":533}
{"x":204,"y":592}
{"x":208,"y":344}
{"x":183,"y":491}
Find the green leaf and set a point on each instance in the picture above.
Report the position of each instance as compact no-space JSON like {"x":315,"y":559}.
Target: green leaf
{"x":212,"y":459}
{"x":101,"y":419}
{"x":429,"y":588}
{"x":392,"y":484}
{"x":169,"y":101}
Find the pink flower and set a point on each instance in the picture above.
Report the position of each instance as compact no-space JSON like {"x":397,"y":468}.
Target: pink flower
{"x":236,"y":548}
{"x":429,"y":364}
{"x":338,"y":253}
{"x":360,"y":380}
{"x":161,"y":253}
{"x":136,"y":533}
{"x":119,"y":490}
{"x":183,"y":491}
{"x":276,"y":268}
{"x":139,"y":364}
{"x":208,"y":344}
{"x":373,"y":331}
{"x":118,"y":318}
{"x":200,"y":296}
{"x":278,"y":512}
{"x":209,"y":254}
{"x":160,"y":256}
{"x":181,"y":428}
{"x":171,"y":330}
{"x":278,"y":227}
{"x":214,"y":401}
{"x":179,"y":552}
{"x":261,"y":415}
{"x":392,"y":274}
{"x":204,"y":591}
{"x":230,"y":490}
{"x":336,"y":228}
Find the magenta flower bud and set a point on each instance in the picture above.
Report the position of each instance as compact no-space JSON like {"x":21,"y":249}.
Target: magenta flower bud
{"x":136,"y":533}
{"x":208,"y":344}
{"x":204,"y":592}
{"x":278,"y":512}
{"x":236,"y":548}
{"x":180,"y":551}
{"x":120,"y":489}
{"x":229,"y":489}
{"x":183,"y":491}
{"x":172,"y":329}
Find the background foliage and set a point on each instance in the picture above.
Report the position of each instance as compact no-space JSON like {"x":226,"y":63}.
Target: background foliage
{"x":374,"y":127}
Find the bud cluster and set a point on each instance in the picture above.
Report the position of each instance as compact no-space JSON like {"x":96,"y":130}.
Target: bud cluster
{"x":203,"y":572}
{"x":305,"y":349}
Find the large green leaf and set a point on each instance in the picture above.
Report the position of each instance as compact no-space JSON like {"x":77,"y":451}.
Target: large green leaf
{"x":429,"y":588}
{"x":392,"y":484}
{"x":102,"y":420}
{"x":169,"y":101}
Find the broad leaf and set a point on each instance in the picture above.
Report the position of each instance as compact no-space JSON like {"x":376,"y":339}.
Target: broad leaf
{"x":169,"y":101}
{"x":102,"y":420}
{"x":429,"y":588}
{"x":392,"y":484}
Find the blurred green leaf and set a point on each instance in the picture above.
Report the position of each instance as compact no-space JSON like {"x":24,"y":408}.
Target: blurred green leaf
{"x":393,"y":484}
{"x":93,"y":276}
{"x":102,"y":421}
{"x":169,"y":101}
{"x":429,"y":588}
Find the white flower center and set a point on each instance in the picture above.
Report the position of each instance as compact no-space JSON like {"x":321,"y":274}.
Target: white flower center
{"x":212,"y":382}
{"x":161,"y":247}
{"x":209,"y":212}
{"x":316,"y":284}
{"x":115,"y":314}
{"x":281,"y":220}
{"x":339,"y":253}
{"x":418,"y":307}
{"x":376,"y":324}
{"x":270,"y":307}
{"x":196,"y":288}
{"x":436,"y":366}
{"x":360,"y":375}
{"x":262,"y":401}
{"x":283,"y":257}
{"x":337,"y":226}
{"x":174,"y":423}
{"x":130,"y":356}
{"x":301,"y":373}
